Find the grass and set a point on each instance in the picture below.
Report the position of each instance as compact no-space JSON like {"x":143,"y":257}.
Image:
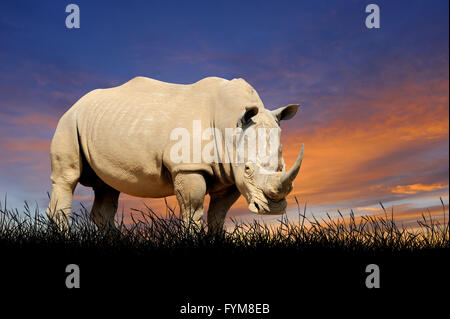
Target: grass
{"x":149,"y":232}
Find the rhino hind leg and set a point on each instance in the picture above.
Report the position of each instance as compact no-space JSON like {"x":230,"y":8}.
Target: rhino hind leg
{"x":66,"y":170}
{"x":59,"y":208}
{"x":219,"y":205}
{"x":105,"y":207}
{"x":190,"y":190}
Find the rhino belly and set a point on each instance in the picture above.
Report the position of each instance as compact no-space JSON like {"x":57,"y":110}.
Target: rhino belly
{"x":131,"y":176}
{"x":130,"y":162}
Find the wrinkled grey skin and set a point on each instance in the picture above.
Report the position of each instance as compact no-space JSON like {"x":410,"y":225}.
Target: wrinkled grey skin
{"x":118,"y":140}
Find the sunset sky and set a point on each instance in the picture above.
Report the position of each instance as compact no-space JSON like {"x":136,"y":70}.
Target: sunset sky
{"x":374,"y":113}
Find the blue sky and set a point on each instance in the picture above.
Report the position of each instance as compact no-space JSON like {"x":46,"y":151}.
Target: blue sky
{"x":361,"y":89}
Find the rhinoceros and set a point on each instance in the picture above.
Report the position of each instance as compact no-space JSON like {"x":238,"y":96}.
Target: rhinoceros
{"x":120,"y":139}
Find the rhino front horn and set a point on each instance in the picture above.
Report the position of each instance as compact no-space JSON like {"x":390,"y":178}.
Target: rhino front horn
{"x":288,"y":178}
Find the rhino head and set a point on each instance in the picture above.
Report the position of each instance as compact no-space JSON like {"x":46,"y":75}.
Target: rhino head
{"x":263,"y":180}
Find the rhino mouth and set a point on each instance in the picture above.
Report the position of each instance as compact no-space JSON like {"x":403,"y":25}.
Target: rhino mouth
{"x":269,"y":197}
{"x":267,"y":206}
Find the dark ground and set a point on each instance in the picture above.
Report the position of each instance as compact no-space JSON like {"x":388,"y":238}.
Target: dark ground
{"x":155,"y":267}
{"x":326,"y":282}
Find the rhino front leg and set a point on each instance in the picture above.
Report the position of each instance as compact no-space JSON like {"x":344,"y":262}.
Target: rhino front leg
{"x":190,"y":189}
{"x":219,"y":205}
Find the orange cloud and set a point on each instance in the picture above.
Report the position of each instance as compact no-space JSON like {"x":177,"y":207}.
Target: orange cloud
{"x":369,"y":208}
{"x":371,"y":146}
{"x":415,"y":188}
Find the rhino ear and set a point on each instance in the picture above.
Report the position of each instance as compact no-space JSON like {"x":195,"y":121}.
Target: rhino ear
{"x":285,"y":112}
{"x":246,"y":116}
